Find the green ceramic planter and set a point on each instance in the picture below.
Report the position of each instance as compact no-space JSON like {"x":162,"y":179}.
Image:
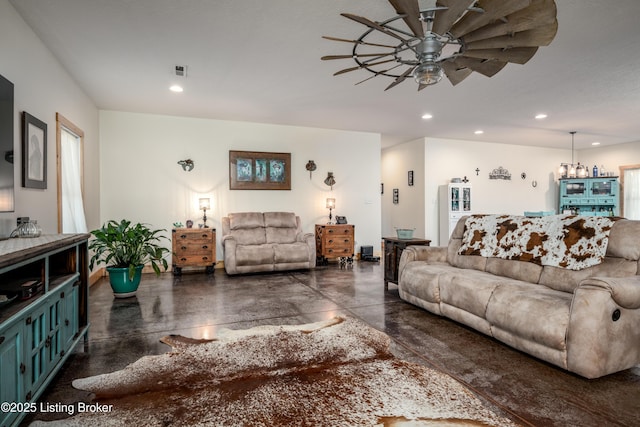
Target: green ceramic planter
{"x":122,"y":286}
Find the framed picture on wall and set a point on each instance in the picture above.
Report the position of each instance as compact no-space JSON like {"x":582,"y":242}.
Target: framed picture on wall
{"x":34,"y":152}
{"x":255,"y":170}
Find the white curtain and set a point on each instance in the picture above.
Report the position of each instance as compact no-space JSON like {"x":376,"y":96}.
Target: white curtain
{"x":73,"y":220}
{"x":632,"y":193}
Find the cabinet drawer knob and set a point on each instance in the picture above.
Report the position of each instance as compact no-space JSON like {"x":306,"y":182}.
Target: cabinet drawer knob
{"x":183,"y":236}
{"x":330,"y":240}
{"x":23,"y":368}
{"x":183,"y":259}
{"x":1,"y":339}
{"x":206,"y":236}
{"x":66,"y":322}
{"x":205,"y":247}
{"x":184,"y":248}
{"x":205,"y":258}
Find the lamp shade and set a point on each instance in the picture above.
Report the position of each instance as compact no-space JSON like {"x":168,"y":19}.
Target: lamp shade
{"x":205,"y":203}
{"x":331,"y":203}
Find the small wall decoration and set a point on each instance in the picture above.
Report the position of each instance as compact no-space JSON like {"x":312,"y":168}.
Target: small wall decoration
{"x":34,"y":152}
{"x":255,"y":170}
{"x":311,"y":166}
{"x":500,"y":173}
{"x":410,"y":178}
{"x":396,"y":196}
{"x":330,"y":180}
{"x":187,"y":165}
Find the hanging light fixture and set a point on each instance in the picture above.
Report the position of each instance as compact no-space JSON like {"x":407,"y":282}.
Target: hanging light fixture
{"x":567,"y":170}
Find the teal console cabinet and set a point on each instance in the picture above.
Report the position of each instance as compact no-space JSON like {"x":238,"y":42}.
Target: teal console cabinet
{"x":38,"y":333}
{"x":598,"y":196}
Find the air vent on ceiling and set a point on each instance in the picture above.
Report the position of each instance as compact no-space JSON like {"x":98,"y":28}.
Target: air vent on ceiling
{"x":181,"y":70}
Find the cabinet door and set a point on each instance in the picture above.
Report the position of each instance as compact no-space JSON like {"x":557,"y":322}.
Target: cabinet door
{"x":44,"y":340}
{"x":11,"y":370}
{"x":70,"y":318}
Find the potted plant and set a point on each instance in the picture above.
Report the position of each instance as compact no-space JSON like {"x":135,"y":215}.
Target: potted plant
{"x":124,"y":248}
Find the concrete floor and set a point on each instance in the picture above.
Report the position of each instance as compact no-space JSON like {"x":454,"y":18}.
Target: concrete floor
{"x":529,"y":391}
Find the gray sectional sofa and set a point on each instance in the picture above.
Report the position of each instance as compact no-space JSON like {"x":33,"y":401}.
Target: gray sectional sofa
{"x":270,"y":241}
{"x":564,"y":306}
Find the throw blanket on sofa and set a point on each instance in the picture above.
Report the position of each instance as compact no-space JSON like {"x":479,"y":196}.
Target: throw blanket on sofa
{"x":571,"y":242}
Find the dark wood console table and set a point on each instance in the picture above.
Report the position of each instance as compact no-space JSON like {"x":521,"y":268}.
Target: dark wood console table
{"x":393,"y":248}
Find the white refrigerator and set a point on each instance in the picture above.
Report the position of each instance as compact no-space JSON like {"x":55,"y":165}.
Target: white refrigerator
{"x":455,"y":202}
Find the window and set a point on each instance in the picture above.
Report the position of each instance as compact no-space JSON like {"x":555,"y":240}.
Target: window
{"x":630,"y":189}
{"x":70,"y":160}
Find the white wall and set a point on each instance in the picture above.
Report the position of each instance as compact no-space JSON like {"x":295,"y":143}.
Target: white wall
{"x":446,"y":159}
{"x":141,"y":180}
{"x":397,"y":161}
{"x":42,"y":87}
{"x":435,"y":161}
{"x":612,"y":157}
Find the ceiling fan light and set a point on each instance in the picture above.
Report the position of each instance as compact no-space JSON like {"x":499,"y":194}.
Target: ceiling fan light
{"x":428,"y":73}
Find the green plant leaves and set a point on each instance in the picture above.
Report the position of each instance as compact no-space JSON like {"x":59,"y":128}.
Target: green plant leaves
{"x":123,"y":244}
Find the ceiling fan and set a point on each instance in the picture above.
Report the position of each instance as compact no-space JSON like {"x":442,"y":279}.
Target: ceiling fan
{"x":428,"y":39}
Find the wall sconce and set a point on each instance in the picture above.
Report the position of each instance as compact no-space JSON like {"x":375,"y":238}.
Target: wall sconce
{"x":330,"y":180}
{"x":331,"y":205}
{"x":205,"y":203}
{"x":311,"y":166}
{"x":187,"y":165}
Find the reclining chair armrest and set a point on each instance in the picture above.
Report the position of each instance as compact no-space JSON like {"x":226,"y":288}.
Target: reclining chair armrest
{"x":625,"y":291}
{"x":425,"y":253}
{"x":309,"y":238}
{"x":229,"y":252}
{"x":421,"y":253}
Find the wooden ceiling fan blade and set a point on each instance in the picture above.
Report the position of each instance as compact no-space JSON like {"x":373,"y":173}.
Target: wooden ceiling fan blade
{"x":487,"y":68}
{"x":336,"y":39}
{"x":411,"y":9}
{"x":455,"y":73}
{"x":376,"y":74}
{"x":493,"y":10}
{"x":360,"y":67}
{"x":518,"y":55}
{"x":538,"y":14}
{"x":541,"y":36}
{"x":400,"y":78}
{"x":364,"y":55}
{"x":369,"y":23}
{"x":444,"y":19}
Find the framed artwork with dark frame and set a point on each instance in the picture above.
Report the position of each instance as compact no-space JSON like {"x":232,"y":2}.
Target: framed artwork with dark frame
{"x":410,"y":178}
{"x":34,"y":152}
{"x":255,"y":170}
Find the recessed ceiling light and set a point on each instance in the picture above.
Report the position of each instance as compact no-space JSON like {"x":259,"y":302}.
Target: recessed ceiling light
{"x":595,"y":143}
{"x":176,"y":88}
{"x":541,"y":116}
{"x":479,"y":132}
{"x":427,"y":116}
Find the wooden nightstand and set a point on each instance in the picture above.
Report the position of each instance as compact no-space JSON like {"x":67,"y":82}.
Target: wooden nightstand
{"x":335,"y":241}
{"x":393,"y":248}
{"x":193,"y":247}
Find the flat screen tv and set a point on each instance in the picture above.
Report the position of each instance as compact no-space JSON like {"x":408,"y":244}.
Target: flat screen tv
{"x":6,"y":146}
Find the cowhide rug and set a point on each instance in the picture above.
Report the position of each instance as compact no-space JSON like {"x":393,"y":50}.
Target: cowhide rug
{"x":338,"y":372}
{"x":566,"y":241}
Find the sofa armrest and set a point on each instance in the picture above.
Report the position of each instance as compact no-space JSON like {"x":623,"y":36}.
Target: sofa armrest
{"x":229,"y":251}
{"x":425,"y":253}
{"x":625,"y":291}
{"x":603,"y":335}
{"x":421,"y":253}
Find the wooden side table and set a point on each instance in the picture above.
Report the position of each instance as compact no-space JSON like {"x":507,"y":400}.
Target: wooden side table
{"x":393,"y":248}
{"x":193,"y":247}
{"x":335,"y":241}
